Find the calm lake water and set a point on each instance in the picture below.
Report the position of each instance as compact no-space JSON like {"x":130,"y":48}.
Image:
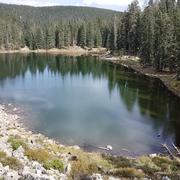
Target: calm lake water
{"x":90,"y":103}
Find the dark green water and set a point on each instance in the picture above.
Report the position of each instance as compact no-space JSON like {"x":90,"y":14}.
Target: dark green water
{"x":85,"y":101}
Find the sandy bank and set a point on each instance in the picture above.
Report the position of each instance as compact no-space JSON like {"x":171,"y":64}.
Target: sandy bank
{"x":70,"y":51}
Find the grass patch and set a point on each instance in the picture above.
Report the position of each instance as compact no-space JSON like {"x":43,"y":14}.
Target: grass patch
{"x":128,"y":173}
{"x":54,"y":164}
{"x":147,"y":165}
{"x":45,"y":158}
{"x":12,"y":162}
{"x":81,"y":169}
{"x":176,"y":84}
{"x":119,"y":162}
{"x":16,"y":142}
{"x":87,"y":164}
{"x":40,"y":155}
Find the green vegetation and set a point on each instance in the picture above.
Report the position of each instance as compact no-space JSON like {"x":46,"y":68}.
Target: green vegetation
{"x":128,"y":173}
{"x":153,"y":34}
{"x":40,"y":155}
{"x":54,"y":164}
{"x":12,"y":162}
{"x":16,"y":142}
{"x":44,"y":157}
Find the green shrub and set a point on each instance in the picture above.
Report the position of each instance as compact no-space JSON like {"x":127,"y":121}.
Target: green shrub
{"x":147,"y":165}
{"x":118,"y":162}
{"x":54,"y":164}
{"x":16,"y":142}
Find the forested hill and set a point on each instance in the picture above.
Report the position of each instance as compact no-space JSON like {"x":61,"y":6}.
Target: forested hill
{"x":152,"y":33}
{"x":56,"y":26}
{"x":54,"y":13}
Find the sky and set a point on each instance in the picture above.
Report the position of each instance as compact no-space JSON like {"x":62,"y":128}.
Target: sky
{"x":108,"y":4}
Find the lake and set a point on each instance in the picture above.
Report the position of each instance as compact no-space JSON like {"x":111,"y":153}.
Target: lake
{"x":88,"y":102}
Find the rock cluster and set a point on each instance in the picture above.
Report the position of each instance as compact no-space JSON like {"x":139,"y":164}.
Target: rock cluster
{"x":30,"y":169}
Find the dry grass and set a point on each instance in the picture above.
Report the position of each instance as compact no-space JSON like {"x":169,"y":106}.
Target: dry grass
{"x":12,"y":162}
{"x":40,"y":155}
{"x":128,"y":173}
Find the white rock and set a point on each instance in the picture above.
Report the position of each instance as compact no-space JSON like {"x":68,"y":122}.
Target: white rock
{"x":6,"y":168}
{"x":12,"y":175}
{"x":113,"y":178}
{"x":19,"y":153}
{"x":96,"y":177}
{"x":109,"y":147}
{"x":153,"y":155}
{"x":62,"y":177}
{"x":76,"y":147}
{"x":166,"y":178}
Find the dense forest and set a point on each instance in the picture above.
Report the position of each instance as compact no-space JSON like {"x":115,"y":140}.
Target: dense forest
{"x":152,"y":33}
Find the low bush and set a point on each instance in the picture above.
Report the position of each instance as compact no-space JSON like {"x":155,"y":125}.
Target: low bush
{"x":16,"y":142}
{"x":54,"y":164}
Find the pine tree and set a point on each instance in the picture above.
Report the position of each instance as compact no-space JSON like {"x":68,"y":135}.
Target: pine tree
{"x":50,"y":38}
{"x":39,"y":39}
{"x":81,"y":39}
{"x":133,"y":16}
{"x":147,"y":38}
{"x":178,"y":41}
{"x":98,"y":39}
{"x":67,"y":36}
{"x":90,"y":35}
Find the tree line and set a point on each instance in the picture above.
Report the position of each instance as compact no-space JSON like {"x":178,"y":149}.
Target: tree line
{"x":152,"y":33}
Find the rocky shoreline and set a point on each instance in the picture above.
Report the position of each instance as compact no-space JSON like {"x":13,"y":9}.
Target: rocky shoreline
{"x":25,"y":155}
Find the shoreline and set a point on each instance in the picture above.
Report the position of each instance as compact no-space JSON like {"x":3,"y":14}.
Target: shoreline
{"x":166,"y":78}
{"x":130,"y":62}
{"x":70,"y":51}
{"x":25,"y":154}
{"x":20,"y":157}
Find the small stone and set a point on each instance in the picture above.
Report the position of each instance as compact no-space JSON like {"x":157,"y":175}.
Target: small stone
{"x":96,"y":177}
{"x":15,"y":109}
{"x":76,"y":147}
{"x":153,"y":155}
{"x":166,"y":178}
{"x":19,"y":153}
{"x":109,"y":147}
{"x":6,"y":168}
{"x":113,"y":178}
{"x":27,"y":177}
{"x":12,"y":175}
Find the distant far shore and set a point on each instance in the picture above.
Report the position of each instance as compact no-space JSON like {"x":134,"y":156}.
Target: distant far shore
{"x":71,"y":51}
{"x":131,"y":62}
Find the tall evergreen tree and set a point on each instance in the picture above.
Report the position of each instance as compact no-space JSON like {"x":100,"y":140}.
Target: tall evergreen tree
{"x":133,"y":16}
{"x":147,"y":38}
{"x":81,"y":39}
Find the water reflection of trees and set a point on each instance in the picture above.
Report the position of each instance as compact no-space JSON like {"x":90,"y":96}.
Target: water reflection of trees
{"x":152,"y":99}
